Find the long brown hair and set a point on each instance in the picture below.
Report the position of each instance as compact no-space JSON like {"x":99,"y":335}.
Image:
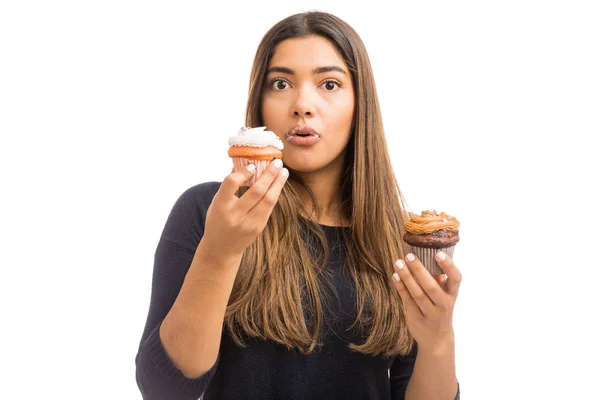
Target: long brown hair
{"x":283,"y":274}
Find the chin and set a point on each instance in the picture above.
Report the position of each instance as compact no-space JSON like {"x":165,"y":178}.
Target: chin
{"x":306,"y":164}
{"x":302,"y":168}
{"x":306,"y":168}
{"x":301,"y":165}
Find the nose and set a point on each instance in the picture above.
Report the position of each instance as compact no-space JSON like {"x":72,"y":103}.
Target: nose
{"x":304,"y":104}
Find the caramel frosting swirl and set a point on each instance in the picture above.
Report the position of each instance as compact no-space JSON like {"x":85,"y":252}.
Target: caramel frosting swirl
{"x":429,"y":222}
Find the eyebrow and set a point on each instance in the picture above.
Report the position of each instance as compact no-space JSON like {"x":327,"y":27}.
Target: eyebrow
{"x":319,"y":70}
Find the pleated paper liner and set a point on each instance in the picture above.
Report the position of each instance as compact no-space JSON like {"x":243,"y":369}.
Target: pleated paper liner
{"x":427,"y":257}
{"x":240,"y":164}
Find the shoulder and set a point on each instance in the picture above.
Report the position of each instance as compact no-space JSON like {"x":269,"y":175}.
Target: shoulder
{"x":185,"y":224}
{"x":195,"y":200}
{"x":201,"y":194}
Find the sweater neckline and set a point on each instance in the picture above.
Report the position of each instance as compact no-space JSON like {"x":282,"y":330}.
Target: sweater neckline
{"x":330,"y":227}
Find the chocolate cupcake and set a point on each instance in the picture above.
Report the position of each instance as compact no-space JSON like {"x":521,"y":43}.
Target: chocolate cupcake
{"x":428,"y":233}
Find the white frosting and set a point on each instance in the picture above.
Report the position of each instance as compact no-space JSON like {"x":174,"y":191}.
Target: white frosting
{"x":256,"y":137}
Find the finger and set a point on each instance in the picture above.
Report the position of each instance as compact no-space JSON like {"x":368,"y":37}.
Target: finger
{"x":441,"y":279}
{"x":261,"y":186}
{"x":233,"y":181}
{"x":263,"y":209}
{"x":409,"y":303}
{"x":454,"y":275}
{"x":425,"y":279}
{"x":414,"y":288}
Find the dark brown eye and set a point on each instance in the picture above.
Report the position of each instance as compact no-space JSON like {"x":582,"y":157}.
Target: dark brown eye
{"x":279,"y":84}
{"x":331,"y":85}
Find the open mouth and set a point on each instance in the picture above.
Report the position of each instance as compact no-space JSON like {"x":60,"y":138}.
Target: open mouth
{"x":301,"y":131}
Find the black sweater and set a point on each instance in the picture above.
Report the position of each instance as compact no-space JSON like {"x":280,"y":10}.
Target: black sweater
{"x":262,"y":370}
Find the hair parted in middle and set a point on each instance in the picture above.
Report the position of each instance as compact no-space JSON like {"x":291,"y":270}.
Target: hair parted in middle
{"x":282,"y":288}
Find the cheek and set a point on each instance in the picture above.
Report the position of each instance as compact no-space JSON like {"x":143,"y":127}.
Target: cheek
{"x":271,"y":109}
{"x":350,"y":111}
{"x":264,"y":110}
{"x":343,"y":111}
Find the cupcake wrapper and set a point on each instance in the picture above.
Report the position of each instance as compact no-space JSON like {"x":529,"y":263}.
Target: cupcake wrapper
{"x":427,"y":257}
{"x":240,"y":164}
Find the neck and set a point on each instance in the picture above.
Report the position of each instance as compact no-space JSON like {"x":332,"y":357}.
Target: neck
{"x":326,"y":187}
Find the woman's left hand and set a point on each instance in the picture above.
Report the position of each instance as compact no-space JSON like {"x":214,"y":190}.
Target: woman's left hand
{"x":428,"y":300}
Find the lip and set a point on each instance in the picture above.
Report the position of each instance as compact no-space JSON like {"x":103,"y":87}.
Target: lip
{"x":303,"y":140}
{"x":293,"y":137}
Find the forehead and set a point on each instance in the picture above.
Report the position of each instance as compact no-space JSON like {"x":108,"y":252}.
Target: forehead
{"x":306,"y":53}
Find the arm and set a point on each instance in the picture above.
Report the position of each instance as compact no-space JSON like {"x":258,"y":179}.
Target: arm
{"x":434,"y":375}
{"x":424,"y":374}
{"x":190,"y":288}
{"x":157,"y":376}
{"x":191,"y":331}
{"x":428,"y":306}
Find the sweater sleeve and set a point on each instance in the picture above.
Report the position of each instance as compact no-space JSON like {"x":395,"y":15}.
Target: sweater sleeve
{"x":400,"y":374}
{"x":156,"y":375}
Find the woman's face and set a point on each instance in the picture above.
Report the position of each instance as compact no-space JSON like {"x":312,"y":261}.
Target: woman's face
{"x":308,"y":101}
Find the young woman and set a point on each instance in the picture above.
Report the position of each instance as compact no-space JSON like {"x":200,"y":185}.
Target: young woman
{"x":288,"y":289}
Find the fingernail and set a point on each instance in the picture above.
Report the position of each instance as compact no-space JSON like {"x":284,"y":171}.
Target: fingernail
{"x":396,"y":277}
{"x":251,"y":167}
{"x":278,"y":163}
{"x":399,"y":264}
{"x":441,"y":255}
{"x":410,"y":257}
{"x":285,"y":172}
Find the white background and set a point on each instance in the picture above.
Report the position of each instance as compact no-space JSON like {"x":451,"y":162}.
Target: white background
{"x":110,"y":110}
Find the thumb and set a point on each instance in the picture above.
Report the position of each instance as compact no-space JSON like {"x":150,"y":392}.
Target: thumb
{"x":235,"y":180}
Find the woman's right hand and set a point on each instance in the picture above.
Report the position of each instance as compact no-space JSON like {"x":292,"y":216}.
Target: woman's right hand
{"x":233,"y":223}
